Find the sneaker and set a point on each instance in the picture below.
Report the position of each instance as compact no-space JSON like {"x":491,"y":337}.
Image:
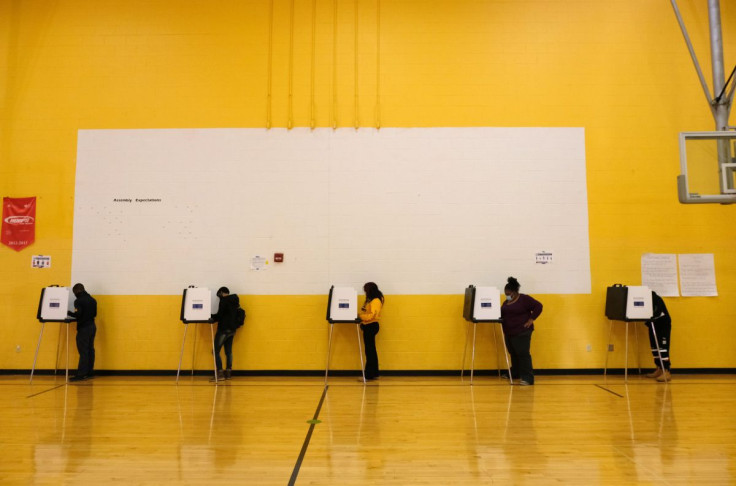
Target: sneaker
{"x":228,"y":374}
{"x":220,"y":377}
{"x":655,"y":374}
{"x":74,"y":379}
{"x":525,"y":383}
{"x":664,"y":377}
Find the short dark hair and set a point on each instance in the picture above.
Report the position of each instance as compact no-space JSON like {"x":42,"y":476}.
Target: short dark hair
{"x":512,"y":285}
{"x":223,"y":290}
{"x":78,"y":288}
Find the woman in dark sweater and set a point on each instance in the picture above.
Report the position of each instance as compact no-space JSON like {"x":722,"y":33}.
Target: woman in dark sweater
{"x":518,"y":313}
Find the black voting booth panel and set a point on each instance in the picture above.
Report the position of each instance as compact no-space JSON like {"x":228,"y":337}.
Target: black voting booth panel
{"x":616,"y":302}
{"x":468,"y":304}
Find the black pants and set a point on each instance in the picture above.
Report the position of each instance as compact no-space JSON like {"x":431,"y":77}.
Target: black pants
{"x":224,"y":338}
{"x":86,"y":348}
{"x":663,"y":328}
{"x":371,"y":356}
{"x":521,"y":359}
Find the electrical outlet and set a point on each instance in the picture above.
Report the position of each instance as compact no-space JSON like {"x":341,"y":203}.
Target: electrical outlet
{"x":589,"y":348}
{"x":610,"y":347}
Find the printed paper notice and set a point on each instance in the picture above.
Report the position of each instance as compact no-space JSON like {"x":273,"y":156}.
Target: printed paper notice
{"x":258,"y":263}
{"x":659,"y":273}
{"x":40,"y":261}
{"x":697,"y":275}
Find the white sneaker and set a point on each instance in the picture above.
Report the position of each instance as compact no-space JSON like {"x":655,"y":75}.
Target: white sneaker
{"x":524,"y":383}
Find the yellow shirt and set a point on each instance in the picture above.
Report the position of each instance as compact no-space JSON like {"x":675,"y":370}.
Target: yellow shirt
{"x":371,"y":311}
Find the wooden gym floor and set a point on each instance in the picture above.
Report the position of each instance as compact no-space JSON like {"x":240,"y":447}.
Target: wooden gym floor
{"x":402,"y":431}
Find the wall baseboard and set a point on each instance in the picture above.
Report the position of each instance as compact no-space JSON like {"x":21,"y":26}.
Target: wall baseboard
{"x":296,"y":373}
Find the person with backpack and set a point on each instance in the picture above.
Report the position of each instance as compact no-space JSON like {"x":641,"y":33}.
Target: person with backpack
{"x":230,"y":316}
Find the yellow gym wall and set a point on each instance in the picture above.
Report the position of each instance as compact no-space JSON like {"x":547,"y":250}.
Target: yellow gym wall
{"x":619,"y":69}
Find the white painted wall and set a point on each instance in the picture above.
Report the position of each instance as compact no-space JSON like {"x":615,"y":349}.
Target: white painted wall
{"x":417,"y":210}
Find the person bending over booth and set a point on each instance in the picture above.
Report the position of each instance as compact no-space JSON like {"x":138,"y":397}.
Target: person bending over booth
{"x":662,"y":325}
{"x":227,"y":323}
{"x":85,"y":311}
{"x":518,"y":314}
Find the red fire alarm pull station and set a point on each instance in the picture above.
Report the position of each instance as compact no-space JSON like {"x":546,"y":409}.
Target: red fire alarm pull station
{"x":278,"y":257}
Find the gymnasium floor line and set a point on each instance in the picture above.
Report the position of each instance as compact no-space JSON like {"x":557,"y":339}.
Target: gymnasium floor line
{"x":303,"y":452}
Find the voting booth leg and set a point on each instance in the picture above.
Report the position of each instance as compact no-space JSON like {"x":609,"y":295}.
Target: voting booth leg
{"x":181,"y":354}
{"x":495,"y":346}
{"x":605,"y":366}
{"x":360,"y":352}
{"x":465,"y":350}
{"x":506,"y":355}
{"x":472,"y":356}
{"x":638,"y":351}
{"x":329,"y":348}
{"x":214,"y":359}
{"x":659,"y":352}
{"x":38,"y":346}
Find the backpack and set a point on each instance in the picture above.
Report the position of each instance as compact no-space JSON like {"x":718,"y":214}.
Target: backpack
{"x":239,"y":317}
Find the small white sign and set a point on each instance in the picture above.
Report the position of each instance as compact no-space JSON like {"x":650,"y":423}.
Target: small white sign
{"x":258,"y":263}
{"x":543,"y":257}
{"x":40,"y":261}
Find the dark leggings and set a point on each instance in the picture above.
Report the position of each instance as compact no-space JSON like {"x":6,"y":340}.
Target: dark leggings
{"x":521,"y":359}
{"x":224,"y":338}
{"x":663,"y":328}
{"x":86,"y":348}
{"x":371,"y":355}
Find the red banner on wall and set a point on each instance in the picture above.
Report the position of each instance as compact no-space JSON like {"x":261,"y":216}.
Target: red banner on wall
{"x":19,"y":222}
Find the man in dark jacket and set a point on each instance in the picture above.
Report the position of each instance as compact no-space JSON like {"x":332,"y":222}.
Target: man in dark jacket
{"x":227,"y":320}
{"x":85,"y":311}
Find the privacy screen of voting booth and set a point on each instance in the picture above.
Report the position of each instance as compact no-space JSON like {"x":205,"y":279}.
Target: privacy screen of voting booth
{"x":342,"y":305}
{"x":629,"y":303}
{"x":482,"y":304}
{"x":196,"y":305}
{"x":54,"y":304}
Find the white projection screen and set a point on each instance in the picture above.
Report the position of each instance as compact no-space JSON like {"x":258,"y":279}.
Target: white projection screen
{"x":417,"y":210}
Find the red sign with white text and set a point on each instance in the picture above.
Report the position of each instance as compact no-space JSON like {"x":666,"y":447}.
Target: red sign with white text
{"x":19,"y":222}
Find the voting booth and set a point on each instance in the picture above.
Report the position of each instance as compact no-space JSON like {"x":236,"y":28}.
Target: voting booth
{"x":342,"y":308}
{"x":196,"y":308}
{"x":482,"y":304}
{"x":53,"y":306}
{"x":627,"y":304}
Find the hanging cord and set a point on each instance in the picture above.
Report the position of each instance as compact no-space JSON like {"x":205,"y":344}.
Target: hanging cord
{"x":312,"y":121}
{"x":334,"y":65}
{"x":718,"y":98}
{"x":270,"y":66}
{"x":378,"y":64}
{"x":290,"y":121}
{"x":357,"y":115}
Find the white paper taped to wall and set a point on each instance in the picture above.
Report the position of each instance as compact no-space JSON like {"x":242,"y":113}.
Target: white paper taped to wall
{"x":418,"y":210}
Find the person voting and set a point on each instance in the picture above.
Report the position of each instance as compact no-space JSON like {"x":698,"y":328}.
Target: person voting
{"x":85,"y":311}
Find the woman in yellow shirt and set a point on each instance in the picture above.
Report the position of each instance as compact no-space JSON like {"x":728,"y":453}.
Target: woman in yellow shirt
{"x":369,"y":315}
